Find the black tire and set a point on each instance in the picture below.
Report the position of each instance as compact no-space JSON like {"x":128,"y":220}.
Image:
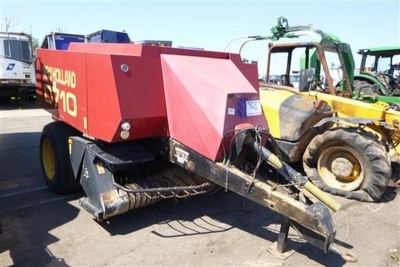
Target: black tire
{"x":365,"y":87}
{"x":54,"y":158}
{"x":348,"y":163}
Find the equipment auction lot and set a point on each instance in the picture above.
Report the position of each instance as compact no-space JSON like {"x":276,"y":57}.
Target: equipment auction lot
{"x":223,"y":229}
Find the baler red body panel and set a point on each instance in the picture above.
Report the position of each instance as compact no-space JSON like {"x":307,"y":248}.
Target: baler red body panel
{"x":192,"y":96}
{"x":107,"y":95}
{"x":59,"y":89}
{"x":206,"y":98}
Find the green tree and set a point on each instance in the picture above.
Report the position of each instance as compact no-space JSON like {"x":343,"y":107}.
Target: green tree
{"x":35,"y":42}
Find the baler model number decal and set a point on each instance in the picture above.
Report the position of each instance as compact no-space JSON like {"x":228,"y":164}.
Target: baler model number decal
{"x":248,"y":108}
{"x":253,"y":108}
{"x":53,"y":95}
{"x":181,"y":155}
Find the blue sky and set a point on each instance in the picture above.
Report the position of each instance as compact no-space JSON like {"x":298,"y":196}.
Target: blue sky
{"x":209,"y":24}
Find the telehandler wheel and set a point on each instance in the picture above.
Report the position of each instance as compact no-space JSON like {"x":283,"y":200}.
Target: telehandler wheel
{"x":348,"y":163}
{"x":54,"y":158}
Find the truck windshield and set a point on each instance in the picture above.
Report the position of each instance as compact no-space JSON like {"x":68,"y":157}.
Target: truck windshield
{"x":62,"y":42}
{"x":17,"y":49}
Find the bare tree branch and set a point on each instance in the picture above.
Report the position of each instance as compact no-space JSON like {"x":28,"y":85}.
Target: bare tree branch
{"x":10,"y":22}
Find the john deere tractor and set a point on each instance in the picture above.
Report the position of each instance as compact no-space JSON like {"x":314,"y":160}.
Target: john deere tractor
{"x":349,"y":148}
{"x":380,"y":70}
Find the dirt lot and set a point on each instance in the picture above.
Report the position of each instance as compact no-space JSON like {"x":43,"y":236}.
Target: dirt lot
{"x":223,"y":229}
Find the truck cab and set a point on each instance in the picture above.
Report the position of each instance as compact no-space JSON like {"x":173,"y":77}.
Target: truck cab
{"x":17,"y":76}
{"x":61,"y":40}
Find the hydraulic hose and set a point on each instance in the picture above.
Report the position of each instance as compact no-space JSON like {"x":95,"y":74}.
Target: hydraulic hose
{"x":322,"y":196}
{"x":293,"y":176}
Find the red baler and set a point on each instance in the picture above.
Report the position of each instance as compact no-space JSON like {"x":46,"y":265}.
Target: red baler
{"x":135,"y":124}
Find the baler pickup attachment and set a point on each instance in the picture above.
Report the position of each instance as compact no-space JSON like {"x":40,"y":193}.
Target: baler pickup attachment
{"x":118,"y":182}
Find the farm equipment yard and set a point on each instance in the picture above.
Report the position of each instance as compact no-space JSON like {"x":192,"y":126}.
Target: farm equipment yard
{"x":41,"y":228}
{"x":139,"y":153}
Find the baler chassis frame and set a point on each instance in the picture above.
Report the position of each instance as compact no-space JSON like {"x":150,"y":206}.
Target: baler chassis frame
{"x":107,"y":198}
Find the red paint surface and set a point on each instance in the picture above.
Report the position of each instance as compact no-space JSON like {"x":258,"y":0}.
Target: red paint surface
{"x":181,"y":93}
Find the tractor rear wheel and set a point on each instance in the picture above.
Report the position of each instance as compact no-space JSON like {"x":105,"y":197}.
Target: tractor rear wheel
{"x":348,"y":163}
{"x":54,"y":158}
{"x":364,"y":87}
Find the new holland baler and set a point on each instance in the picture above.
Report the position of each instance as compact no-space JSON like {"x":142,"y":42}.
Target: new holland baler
{"x":135,"y":124}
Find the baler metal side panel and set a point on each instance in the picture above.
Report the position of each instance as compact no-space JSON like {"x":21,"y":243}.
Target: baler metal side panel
{"x":89,"y":90}
{"x":249,"y":70}
{"x":104,"y":112}
{"x":206,"y":98}
{"x":135,"y":96}
{"x":61,"y":86}
{"x":113,"y":83}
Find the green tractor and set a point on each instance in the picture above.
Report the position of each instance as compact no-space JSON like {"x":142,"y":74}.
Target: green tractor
{"x":380,"y":70}
{"x":379,"y":82}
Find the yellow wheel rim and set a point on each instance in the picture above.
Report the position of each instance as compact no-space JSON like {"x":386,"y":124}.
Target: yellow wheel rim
{"x":339,"y":168}
{"x":48,"y":159}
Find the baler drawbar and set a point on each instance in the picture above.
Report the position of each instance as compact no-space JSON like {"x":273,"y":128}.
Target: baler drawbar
{"x":136,"y":124}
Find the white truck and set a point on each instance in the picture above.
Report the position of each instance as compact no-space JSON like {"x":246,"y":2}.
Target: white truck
{"x":17,"y":74}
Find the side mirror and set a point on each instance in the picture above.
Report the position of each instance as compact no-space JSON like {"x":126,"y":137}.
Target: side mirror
{"x":306,"y":78}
